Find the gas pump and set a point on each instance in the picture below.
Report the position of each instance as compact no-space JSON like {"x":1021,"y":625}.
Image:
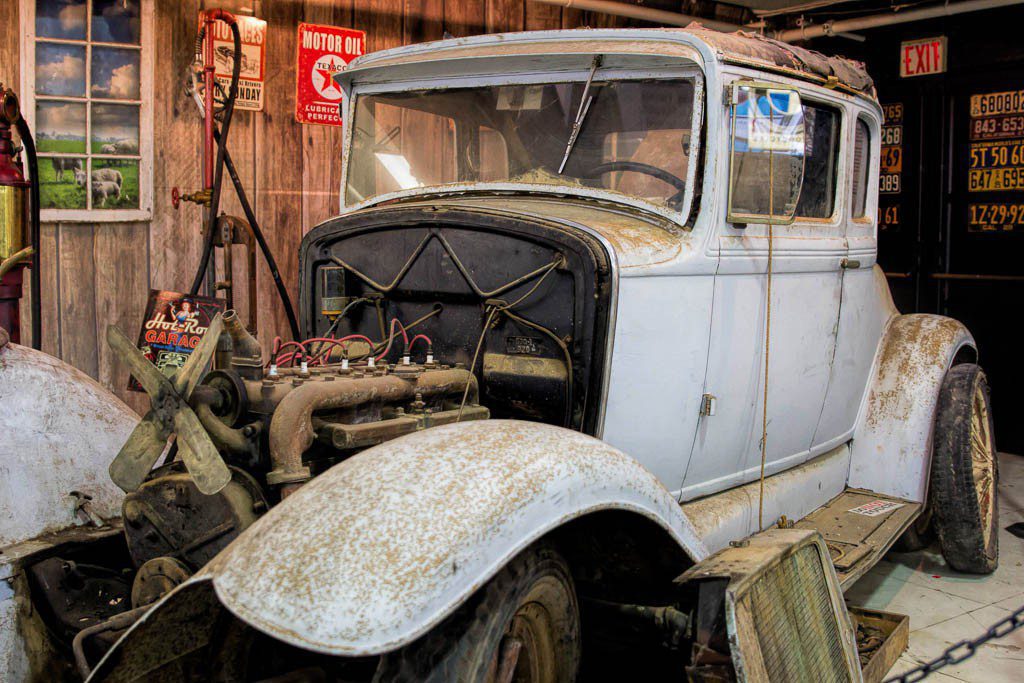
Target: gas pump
{"x":18,"y":243}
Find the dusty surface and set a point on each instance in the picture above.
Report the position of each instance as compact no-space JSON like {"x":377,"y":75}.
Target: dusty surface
{"x":378,"y":549}
{"x":59,"y":430}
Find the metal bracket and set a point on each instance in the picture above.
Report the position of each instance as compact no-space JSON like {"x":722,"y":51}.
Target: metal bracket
{"x":83,"y":507}
{"x":708,"y":405}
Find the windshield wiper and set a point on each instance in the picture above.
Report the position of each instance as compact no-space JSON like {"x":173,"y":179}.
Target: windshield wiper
{"x":581,"y":113}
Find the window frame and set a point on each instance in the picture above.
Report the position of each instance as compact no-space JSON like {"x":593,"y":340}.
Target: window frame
{"x":870,"y":212}
{"x":688,"y":70}
{"x":838,"y":176}
{"x":145,"y":104}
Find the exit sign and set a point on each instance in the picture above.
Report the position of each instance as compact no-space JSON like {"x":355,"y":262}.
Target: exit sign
{"x":923,"y":57}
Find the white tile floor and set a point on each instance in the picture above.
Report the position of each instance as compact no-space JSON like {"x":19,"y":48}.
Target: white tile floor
{"x":946,"y":607}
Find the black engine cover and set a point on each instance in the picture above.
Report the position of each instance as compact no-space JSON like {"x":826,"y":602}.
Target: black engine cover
{"x":458,"y":256}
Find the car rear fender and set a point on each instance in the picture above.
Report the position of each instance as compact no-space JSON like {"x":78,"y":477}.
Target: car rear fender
{"x":59,"y":430}
{"x":892,"y":440}
{"x":376,"y":551}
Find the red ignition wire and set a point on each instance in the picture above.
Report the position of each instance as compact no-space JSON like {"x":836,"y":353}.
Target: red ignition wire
{"x":413,"y":341}
{"x":275,"y":353}
{"x":285,"y":345}
{"x":391,"y":338}
{"x":326,"y":353}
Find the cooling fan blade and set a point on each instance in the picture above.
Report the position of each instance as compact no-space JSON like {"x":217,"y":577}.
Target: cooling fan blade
{"x":148,"y":375}
{"x":139,"y":453}
{"x":170,"y":413}
{"x":199,"y":454}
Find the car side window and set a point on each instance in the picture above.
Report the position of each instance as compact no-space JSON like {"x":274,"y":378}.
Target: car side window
{"x":821,"y":149}
{"x":861,"y":169}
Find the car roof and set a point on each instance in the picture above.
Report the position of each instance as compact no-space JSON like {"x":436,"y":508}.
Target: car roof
{"x":741,"y":47}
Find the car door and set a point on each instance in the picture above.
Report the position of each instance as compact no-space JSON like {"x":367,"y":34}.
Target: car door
{"x":862,"y":317}
{"x":804,"y":309}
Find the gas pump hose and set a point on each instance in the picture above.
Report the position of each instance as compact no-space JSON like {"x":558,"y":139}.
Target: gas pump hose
{"x":250,"y":215}
{"x":229,"y":108}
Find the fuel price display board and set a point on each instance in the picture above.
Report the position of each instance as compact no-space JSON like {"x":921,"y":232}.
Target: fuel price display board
{"x":996,"y":164}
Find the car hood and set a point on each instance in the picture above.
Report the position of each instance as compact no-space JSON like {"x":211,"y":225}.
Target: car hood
{"x":637,"y":240}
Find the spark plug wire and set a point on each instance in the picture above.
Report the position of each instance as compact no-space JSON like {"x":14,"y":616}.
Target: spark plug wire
{"x":412,"y":342}
{"x":324,"y":357}
{"x":391,"y":338}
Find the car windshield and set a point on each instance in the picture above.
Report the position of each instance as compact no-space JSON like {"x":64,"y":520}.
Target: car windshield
{"x":633,"y":138}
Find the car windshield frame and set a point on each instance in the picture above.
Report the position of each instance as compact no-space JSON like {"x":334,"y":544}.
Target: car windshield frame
{"x":691,"y":72}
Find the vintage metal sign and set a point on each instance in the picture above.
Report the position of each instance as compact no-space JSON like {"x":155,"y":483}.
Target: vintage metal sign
{"x":323,"y":51}
{"x":923,"y":57}
{"x":891,"y":172}
{"x":254,"y":60}
{"x":174,"y":325}
{"x":996,"y":160}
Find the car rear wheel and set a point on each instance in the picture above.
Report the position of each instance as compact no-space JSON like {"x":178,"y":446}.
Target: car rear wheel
{"x":965,"y":473}
{"x":918,"y":535}
{"x":523,"y":626}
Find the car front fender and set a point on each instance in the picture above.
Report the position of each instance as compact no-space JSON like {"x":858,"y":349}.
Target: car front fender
{"x":376,"y":551}
{"x":892,"y":440}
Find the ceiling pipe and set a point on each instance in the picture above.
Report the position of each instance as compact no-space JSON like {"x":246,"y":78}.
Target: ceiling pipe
{"x":830,"y":28}
{"x":660,"y":16}
{"x":655,"y":16}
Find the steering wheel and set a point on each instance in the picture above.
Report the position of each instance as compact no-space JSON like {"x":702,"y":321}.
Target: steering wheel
{"x":647,"y":169}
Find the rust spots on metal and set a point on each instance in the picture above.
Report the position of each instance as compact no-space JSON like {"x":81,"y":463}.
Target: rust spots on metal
{"x":914,"y":344}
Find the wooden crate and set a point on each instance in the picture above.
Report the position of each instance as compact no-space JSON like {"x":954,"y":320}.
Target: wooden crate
{"x":894,"y":628}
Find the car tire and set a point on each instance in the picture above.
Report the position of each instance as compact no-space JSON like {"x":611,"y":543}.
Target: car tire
{"x":965,"y":472}
{"x":526,"y":617}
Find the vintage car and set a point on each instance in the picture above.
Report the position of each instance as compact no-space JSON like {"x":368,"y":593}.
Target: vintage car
{"x":601,"y":376}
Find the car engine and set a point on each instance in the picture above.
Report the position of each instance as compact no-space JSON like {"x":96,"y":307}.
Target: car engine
{"x":277,"y":427}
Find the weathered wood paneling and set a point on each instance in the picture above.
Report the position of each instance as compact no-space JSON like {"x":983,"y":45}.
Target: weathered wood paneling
{"x":279,"y":165}
{"x":77,"y":291}
{"x":10,"y":59}
{"x":121,"y":295}
{"x":540,"y":17}
{"x":48,"y":263}
{"x":464,"y":17}
{"x":504,"y":15}
{"x":175,"y":234}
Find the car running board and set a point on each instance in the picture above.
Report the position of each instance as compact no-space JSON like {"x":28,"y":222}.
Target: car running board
{"x":859,"y":527}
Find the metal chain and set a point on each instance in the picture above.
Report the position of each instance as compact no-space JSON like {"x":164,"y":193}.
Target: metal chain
{"x":962,"y":650}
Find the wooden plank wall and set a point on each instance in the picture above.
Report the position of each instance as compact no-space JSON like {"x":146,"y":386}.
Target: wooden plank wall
{"x":97,"y":274}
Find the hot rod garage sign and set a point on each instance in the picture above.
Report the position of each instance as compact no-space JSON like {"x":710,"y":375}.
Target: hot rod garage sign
{"x":323,"y":51}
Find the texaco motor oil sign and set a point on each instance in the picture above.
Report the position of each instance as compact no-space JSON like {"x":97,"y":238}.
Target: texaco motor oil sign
{"x":323,"y":51}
